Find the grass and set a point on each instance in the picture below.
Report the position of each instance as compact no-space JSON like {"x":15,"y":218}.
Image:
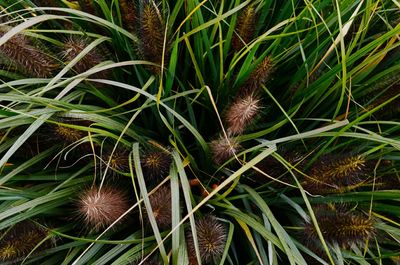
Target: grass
{"x":257,"y":108}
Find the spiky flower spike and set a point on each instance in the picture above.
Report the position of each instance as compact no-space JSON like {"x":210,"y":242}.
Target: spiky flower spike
{"x":160,"y":202}
{"x":259,"y":76}
{"x":18,"y":241}
{"x":99,"y":208}
{"x":336,"y":174}
{"x":68,"y":135}
{"x":241,"y":113}
{"x":211,"y":238}
{"x":87,"y":6}
{"x":46,"y":3}
{"x":128,"y":14}
{"x":156,"y":164}
{"x":119,"y":160}
{"x":27,"y":58}
{"x":223,"y":148}
{"x":73,"y":46}
{"x":244,"y":30}
{"x":340,"y":225}
{"x":151,"y":31}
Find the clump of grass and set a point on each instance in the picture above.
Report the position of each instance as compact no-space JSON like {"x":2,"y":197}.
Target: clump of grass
{"x":223,"y":64}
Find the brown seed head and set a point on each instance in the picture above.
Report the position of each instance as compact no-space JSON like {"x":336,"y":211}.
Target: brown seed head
{"x":128,"y":14}
{"x":18,"y":241}
{"x":99,"y":208}
{"x":27,"y":58}
{"x":223,"y":148}
{"x":245,"y":27}
{"x":46,"y":3}
{"x":260,"y":75}
{"x":160,"y":202}
{"x":87,"y":6}
{"x":156,"y":164}
{"x":339,"y":225}
{"x":151,"y":31}
{"x":336,"y":174}
{"x":118,"y":161}
{"x":67,"y":134}
{"x":211,"y":238}
{"x":241,"y":113}
{"x":74,"y":46}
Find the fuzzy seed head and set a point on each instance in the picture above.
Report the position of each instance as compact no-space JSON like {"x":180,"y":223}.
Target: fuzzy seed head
{"x":338,"y":225}
{"x":260,"y":75}
{"x":245,"y":27}
{"x":87,"y":6}
{"x":241,"y":113}
{"x":336,"y":174}
{"x":128,"y":11}
{"x":156,"y":164}
{"x":74,"y":46}
{"x":118,"y":161}
{"x":223,"y":148}
{"x":18,"y":241}
{"x":346,"y":166}
{"x":99,"y":208}
{"x":160,"y":202}
{"x":151,"y":31}
{"x":69,"y":135}
{"x":46,"y":3}
{"x":27,"y":58}
{"x":211,"y":237}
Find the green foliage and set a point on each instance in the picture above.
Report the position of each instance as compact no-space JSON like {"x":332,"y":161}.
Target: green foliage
{"x":199,"y":132}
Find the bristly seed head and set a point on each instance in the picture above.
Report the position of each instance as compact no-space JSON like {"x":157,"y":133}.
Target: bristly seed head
{"x":156,"y":164}
{"x":260,"y":75}
{"x":340,"y":225}
{"x":152,"y":30}
{"x":67,"y":134}
{"x":87,"y":6}
{"x":211,"y":238}
{"x":241,"y":113}
{"x":336,"y":174}
{"x":128,"y":14}
{"x":99,"y":208}
{"x":245,"y":27}
{"x":27,"y":58}
{"x":160,"y":202}
{"x":119,"y":160}
{"x":223,"y":148}
{"x":18,"y":241}
{"x":73,"y":46}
